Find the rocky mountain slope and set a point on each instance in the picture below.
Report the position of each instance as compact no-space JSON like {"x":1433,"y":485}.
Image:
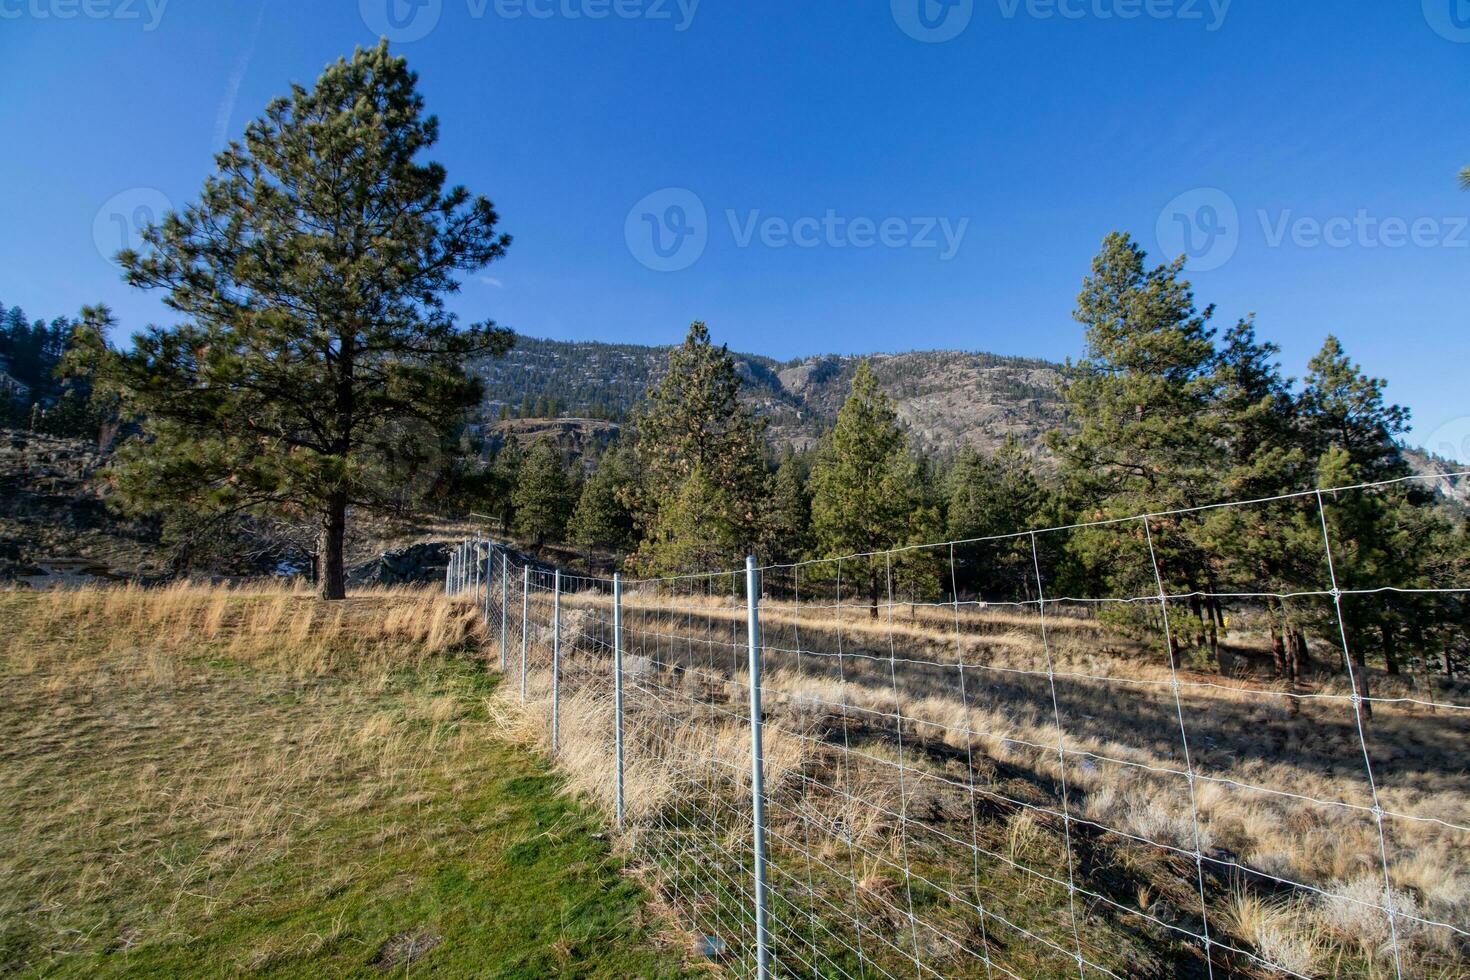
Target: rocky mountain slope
{"x":944,"y":397}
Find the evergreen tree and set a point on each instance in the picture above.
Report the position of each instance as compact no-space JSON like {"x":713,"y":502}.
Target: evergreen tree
{"x":505,"y":473}
{"x":543,"y":496}
{"x":312,"y":271}
{"x":786,"y":521}
{"x":601,"y":519}
{"x":866,"y":492}
{"x":1141,"y":397}
{"x":1343,"y":408}
{"x":693,"y":530}
{"x":1148,"y":436}
{"x":988,"y":496}
{"x":693,"y":420}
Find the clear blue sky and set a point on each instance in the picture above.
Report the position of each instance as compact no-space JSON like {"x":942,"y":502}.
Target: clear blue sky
{"x":1029,"y":134}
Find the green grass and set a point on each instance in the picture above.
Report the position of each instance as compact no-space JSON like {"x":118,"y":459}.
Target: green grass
{"x":223,"y":814}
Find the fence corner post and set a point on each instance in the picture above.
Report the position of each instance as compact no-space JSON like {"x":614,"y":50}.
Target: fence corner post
{"x":757,"y":787}
{"x":556,"y":661}
{"x":618,"y":688}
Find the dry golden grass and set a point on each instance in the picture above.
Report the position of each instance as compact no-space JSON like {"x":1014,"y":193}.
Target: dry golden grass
{"x":854,"y":743}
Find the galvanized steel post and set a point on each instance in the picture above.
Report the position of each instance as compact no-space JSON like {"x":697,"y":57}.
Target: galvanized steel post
{"x":618,"y":687}
{"x":525,"y":624}
{"x":556,"y":661}
{"x":757,"y":787}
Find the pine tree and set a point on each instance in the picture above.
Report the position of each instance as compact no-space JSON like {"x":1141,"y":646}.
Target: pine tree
{"x":312,"y":272}
{"x":866,"y":492}
{"x":543,"y":496}
{"x":601,"y":520}
{"x":693,"y":531}
{"x":693,"y":420}
{"x":787,"y":518}
{"x":988,"y":496}
{"x":1343,"y":408}
{"x":1148,"y":436}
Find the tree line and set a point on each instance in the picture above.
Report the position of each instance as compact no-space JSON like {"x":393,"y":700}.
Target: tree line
{"x":1166,"y":414}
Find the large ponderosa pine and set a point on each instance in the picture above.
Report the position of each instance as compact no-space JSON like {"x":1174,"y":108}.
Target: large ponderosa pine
{"x":698,"y":450}
{"x":317,"y":360}
{"x":1147,"y":436}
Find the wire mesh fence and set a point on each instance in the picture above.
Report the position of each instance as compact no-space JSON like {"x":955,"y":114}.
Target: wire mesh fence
{"x":1230,"y":760}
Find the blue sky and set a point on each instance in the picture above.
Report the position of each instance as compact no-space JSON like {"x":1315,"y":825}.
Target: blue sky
{"x":821,"y":176}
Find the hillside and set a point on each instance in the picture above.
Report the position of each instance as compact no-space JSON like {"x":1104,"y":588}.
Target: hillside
{"x":944,"y":397}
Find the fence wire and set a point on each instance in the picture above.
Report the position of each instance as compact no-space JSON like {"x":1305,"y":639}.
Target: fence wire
{"x":1215,"y":766}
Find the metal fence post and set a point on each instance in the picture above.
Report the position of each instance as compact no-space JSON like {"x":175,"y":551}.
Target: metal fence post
{"x":489,"y":577}
{"x":556,"y":661}
{"x":525,"y":624}
{"x":618,"y":687}
{"x":504,"y":585}
{"x":757,"y":787}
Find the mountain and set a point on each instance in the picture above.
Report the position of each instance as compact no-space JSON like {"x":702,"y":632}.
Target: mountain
{"x":945,"y":398}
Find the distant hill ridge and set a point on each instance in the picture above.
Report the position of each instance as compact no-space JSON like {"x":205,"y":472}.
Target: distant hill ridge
{"x":945,"y":398}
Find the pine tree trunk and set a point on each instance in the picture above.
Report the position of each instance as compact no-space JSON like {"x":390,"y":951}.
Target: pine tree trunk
{"x":1278,"y":652}
{"x":1390,"y":649}
{"x":332,"y":580}
{"x":1360,"y":685}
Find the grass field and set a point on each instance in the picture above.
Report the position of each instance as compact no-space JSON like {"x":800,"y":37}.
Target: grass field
{"x":209,"y":782}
